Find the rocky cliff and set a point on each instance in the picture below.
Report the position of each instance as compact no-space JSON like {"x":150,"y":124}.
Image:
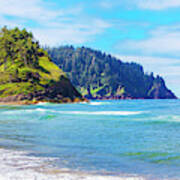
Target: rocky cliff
{"x":100,"y":76}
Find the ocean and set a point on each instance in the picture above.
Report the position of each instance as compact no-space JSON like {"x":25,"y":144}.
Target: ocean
{"x":138,"y":138}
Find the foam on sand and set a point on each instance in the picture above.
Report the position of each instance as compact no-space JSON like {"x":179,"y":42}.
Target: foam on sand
{"x":18,"y":165}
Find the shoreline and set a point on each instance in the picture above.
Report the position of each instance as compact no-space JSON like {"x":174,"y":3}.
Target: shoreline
{"x":16,"y":103}
{"x":130,"y":98}
{"x":20,"y":103}
{"x":19,"y":165}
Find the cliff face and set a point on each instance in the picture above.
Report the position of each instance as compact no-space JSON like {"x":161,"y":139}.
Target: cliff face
{"x":27,"y":74}
{"x":160,"y":91}
{"x":100,"y":76}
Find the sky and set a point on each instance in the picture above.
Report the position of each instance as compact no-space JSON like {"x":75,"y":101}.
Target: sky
{"x":143,"y":31}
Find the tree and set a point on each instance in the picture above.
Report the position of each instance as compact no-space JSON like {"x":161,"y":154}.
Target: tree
{"x":18,"y":45}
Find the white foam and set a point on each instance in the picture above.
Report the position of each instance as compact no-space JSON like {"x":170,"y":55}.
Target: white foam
{"x":20,"y":111}
{"x":17,"y":165}
{"x":98,"y":103}
{"x":109,"y":113}
{"x":41,"y":110}
{"x":166,"y":118}
{"x":42,"y":103}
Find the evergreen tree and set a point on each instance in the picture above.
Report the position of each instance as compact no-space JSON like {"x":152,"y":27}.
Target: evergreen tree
{"x":99,"y":75}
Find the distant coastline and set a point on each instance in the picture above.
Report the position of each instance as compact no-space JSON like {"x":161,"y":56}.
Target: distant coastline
{"x":98,"y":75}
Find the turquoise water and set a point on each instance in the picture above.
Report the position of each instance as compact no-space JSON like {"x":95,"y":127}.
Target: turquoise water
{"x":131,"y":136}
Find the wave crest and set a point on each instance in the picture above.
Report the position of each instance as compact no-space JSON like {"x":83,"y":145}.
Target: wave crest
{"x":112,"y":113}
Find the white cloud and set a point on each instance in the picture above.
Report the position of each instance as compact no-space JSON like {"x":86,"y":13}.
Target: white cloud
{"x":153,"y":64}
{"x":142,"y":4}
{"x":4,"y":22}
{"x":164,"y":41}
{"x":106,"y":4}
{"x":32,"y":9}
{"x":65,"y":25}
{"x":157,"y":4}
{"x":74,"y":33}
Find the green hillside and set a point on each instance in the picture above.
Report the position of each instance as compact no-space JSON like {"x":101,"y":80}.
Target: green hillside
{"x":98,"y":75}
{"x":27,"y":73}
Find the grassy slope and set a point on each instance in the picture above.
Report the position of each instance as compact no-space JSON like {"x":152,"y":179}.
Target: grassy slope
{"x":7,"y":88}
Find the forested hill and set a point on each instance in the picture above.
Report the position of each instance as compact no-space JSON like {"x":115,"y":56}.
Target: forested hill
{"x":98,"y":75}
{"x":27,"y":74}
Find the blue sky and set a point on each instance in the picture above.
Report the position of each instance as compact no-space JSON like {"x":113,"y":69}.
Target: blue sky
{"x":144,"y":31}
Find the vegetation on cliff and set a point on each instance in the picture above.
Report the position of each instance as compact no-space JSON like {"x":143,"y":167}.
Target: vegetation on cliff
{"x":27,"y":72}
{"x":98,"y":75}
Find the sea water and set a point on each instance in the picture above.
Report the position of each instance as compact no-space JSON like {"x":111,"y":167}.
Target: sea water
{"x":115,"y":137}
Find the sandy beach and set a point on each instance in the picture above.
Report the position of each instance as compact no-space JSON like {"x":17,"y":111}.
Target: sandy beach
{"x":18,"y":165}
